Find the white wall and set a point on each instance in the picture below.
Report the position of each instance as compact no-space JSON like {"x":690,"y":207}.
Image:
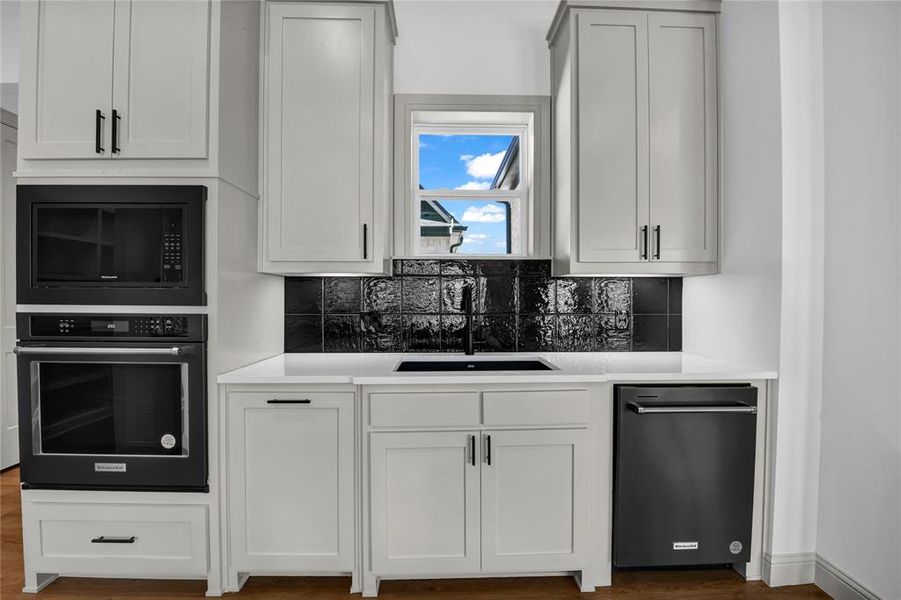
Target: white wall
{"x":859,"y":522}
{"x":796,"y":464}
{"x":472,"y":47}
{"x":9,"y":55}
{"x":765,"y":307}
{"x":735,"y":315}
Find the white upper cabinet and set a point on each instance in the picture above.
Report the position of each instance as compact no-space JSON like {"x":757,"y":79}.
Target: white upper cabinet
{"x":683,"y":125}
{"x":325,"y":134}
{"x":160,"y":78}
{"x":66,"y":78}
{"x":636,"y":171}
{"x":612,"y":211}
{"x":108,"y":79}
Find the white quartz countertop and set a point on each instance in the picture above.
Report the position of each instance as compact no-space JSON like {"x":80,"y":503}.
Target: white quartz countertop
{"x":569,"y":367}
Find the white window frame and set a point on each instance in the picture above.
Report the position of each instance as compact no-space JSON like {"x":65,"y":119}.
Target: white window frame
{"x":521,"y":196}
{"x":415,"y":113}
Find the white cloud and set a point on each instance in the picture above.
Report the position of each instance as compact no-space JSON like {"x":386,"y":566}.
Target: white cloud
{"x":476,"y":237}
{"x":490,"y":213}
{"x":474,"y":185}
{"x":483,"y":166}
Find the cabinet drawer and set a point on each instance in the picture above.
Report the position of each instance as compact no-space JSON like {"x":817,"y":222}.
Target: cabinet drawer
{"x":296,"y":398}
{"x":423,"y":409}
{"x":551,"y":407}
{"x":125,"y":540}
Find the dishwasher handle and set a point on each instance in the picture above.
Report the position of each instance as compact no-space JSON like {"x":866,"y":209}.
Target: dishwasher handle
{"x":662,"y":410}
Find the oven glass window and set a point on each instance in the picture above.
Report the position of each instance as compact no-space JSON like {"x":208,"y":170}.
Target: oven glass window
{"x":120,"y":245}
{"x":111,"y":408}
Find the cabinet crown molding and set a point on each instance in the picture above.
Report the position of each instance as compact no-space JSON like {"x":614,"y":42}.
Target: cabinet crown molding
{"x":389,"y":10}
{"x":706,"y":6}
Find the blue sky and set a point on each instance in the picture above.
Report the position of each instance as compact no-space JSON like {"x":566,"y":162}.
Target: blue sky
{"x":467,"y":162}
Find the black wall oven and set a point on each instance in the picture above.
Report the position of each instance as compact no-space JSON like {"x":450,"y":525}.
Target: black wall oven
{"x":110,"y":244}
{"x":112,"y":402}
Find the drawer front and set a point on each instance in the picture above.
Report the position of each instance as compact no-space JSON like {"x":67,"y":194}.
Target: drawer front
{"x":547,"y":407}
{"x":126,"y":540}
{"x":424,"y":409}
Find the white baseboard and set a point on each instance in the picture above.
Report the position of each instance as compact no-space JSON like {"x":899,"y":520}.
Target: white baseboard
{"x":839,"y":584}
{"x":788,"y":569}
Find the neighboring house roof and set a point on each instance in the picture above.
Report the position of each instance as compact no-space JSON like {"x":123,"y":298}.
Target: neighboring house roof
{"x":507,"y":176}
{"x":435,"y":220}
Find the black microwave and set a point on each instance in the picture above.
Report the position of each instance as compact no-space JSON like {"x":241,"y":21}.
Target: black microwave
{"x":110,"y":244}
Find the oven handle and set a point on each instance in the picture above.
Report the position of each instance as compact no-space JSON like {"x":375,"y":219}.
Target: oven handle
{"x":173,"y":351}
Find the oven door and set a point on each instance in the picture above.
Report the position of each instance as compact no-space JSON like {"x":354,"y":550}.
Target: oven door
{"x":110,"y":244}
{"x":113,"y":416}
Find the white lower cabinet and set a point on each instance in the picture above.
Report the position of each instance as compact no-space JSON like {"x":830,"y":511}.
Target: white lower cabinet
{"x":100,"y":539}
{"x":471,"y":502}
{"x":424,"y":503}
{"x":291,"y":481}
{"x":535,"y":501}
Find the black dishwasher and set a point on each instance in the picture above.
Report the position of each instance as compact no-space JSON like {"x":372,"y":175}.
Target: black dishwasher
{"x":683,"y":475}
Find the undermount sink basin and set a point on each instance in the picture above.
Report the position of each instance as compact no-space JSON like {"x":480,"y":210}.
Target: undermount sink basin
{"x":473,"y":365}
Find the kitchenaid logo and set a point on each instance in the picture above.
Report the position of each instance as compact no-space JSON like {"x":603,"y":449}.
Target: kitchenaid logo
{"x":109,"y":467}
{"x":685,"y":545}
{"x":109,"y":277}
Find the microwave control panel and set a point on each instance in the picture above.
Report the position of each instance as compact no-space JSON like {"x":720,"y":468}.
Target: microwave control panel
{"x":172,"y":254}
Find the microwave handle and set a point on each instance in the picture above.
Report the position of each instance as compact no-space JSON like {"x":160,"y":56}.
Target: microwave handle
{"x":173,"y":351}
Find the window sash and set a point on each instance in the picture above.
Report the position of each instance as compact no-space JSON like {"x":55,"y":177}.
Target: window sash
{"x":521,"y":196}
{"x":519,"y":203}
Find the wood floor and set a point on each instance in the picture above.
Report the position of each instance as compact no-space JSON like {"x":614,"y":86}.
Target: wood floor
{"x":643,"y":585}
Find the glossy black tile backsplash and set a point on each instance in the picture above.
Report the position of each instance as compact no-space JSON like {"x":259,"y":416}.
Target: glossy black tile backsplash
{"x":518,"y":306}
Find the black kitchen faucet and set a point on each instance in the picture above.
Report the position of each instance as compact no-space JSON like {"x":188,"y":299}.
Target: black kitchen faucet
{"x":468,"y":342}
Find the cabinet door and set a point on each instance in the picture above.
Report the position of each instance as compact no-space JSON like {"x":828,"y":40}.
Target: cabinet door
{"x":424,"y":503}
{"x":535,"y":513}
{"x":683,"y":136}
{"x":161,"y":78}
{"x":318,"y":149}
{"x":612,"y":136}
{"x":9,"y":411}
{"x":9,"y":420}
{"x":66,"y":76}
{"x":291,"y":482}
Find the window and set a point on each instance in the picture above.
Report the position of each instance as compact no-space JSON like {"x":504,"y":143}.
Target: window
{"x":469,"y":186}
{"x":471,"y":189}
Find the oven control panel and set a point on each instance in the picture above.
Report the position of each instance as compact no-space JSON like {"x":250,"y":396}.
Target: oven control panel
{"x":94,"y":326}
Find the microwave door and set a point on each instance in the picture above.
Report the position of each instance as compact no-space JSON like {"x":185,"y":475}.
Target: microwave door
{"x":110,"y":245}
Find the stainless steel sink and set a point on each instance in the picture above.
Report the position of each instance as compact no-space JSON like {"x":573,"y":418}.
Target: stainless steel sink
{"x":475,"y":365}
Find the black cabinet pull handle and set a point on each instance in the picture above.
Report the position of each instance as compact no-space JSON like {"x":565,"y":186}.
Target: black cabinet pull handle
{"x":365,"y":241}
{"x":98,"y":131}
{"x":113,"y":540}
{"x":115,"y":136}
{"x":657,"y":248}
{"x":488,"y":451}
{"x":276,"y":401}
{"x":644,"y":245}
{"x":472,"y":449}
